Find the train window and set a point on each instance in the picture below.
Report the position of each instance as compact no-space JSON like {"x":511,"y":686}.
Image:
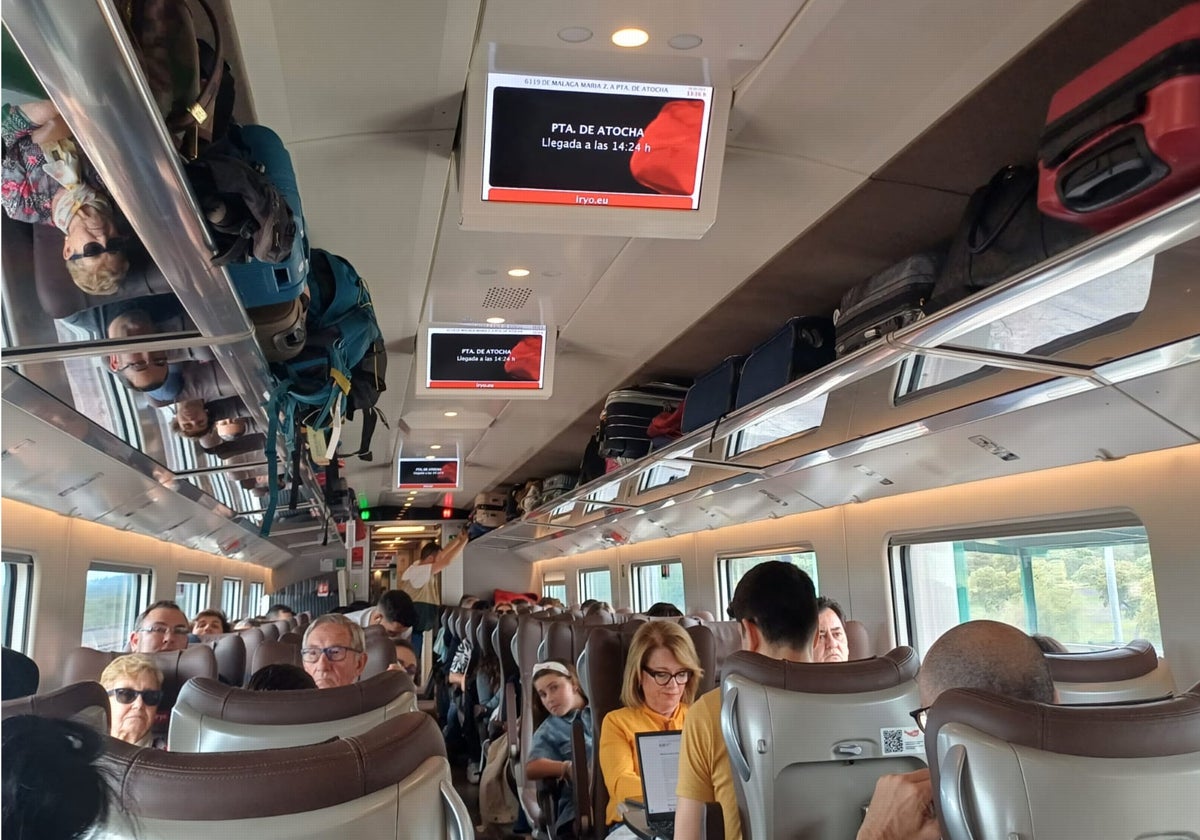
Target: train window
{"x":554,"y":585}
{"x":1089,"y":589}
{"x":661,"y":474}
{"x":191,"y":593}
{"x":595,"y":584}
{"x":607,"y":493}
{"x":792,"y":420}
{"x":111,"y":603}
{"x":231,"y":597}
{"x":16,"y":599}
{"x":661,"y":580}
{"x":1103,"y":305}
{"x":257,"y":593}
{"x":731,"y":568}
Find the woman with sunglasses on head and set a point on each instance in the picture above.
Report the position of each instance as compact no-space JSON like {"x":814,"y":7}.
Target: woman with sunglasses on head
{"x":47,"y":181}
{"x":134,"y":686}
{"x":662,"y":672}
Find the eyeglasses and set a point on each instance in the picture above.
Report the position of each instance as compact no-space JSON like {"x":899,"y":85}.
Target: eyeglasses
{"x":163,"y":630}
{"x":125,"y":696}
{"x":920,"y":716}
{"x":116,"y":245}
{"x":334,"y":653}
{"x":146,"y":365}
{"x":665,"y":677}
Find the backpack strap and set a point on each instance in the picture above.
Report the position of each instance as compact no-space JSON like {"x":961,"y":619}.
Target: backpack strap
{"x":199,"y":112}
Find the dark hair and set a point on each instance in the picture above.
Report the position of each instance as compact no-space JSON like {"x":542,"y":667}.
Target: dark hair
{"x":597,"y":607}
{"x":663,"y":610}
{"x":428,"y":550}
{"x":225,"y":628}
{"x":395,"y":605}
{"x":482,"y":604}
{"x":19,"y":675}
{"x":280,"y":676}
{"x":274,"y":610}
{"x":584,"y":606}
{"x":520,"y":601}
{"x":52,"y":787}
{"x":540,"y":712}
{"x":824,"y":603}
{"x":1049,"y":644}
{"x":157,"y":605}
{"x":781,"y":600}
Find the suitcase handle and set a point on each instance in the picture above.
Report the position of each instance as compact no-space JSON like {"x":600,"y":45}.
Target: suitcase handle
{"x":1119,"y":166}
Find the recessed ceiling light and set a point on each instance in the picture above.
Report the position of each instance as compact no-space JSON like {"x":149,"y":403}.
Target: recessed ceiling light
{"x":575,"y":34}
{"x":495,"y":320}
{"x":518,"y":272}
{"x":430,"y":457}
{"x":685,"y":41}
{"x":631,"y":37}
{"x":435,"y":446}
{"x":449,"y":413}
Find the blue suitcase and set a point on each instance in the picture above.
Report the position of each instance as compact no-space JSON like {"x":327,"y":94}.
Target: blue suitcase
{"x":261,"y":283}
{"x":712,"y":397}
{"x":802,"y":346}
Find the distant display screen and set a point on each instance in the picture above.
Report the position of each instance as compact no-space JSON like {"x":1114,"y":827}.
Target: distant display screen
{"x":502,"y":358}
{"x":551,"y":140}
{"x":427,"y":474}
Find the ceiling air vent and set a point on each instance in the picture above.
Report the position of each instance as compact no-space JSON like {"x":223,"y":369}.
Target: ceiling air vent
{"x":506,"y":297}
{"x":994,"y":448}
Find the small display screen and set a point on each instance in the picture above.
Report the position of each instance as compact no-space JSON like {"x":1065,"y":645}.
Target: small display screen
{"x":591,"y":142}
{"x":427,"y":474}
{"x":502,"y":358}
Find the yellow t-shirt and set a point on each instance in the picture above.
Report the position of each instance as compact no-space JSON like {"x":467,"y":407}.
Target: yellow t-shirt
{"x":618,"y":751}
{"x":704,"y":771}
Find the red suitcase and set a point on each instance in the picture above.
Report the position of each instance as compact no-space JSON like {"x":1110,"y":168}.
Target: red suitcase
{"x":1124,"y":137}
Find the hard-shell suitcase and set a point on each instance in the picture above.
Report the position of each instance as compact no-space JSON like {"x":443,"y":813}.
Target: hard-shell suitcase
{"x":1001,"y":234}
{"x":802,"y":346}
{"x":1123,"y":137}
{"x":262,"y":283}
{"x":557,"y":485}
{"x":627,"y":414}
{"x":489,"y":509}
{"x":713,"y":395}
{"x":887,"y":301}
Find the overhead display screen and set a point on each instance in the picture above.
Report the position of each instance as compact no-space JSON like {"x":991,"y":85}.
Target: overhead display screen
{"x":427,"y":473}
{"x":501,"y":358}
{"x":553,"y":140}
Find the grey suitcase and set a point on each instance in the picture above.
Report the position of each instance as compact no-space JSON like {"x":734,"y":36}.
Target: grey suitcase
{"x":889,"y":300}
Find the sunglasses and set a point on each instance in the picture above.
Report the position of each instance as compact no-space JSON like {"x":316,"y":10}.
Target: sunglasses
{"x":116,"y":245}
{"x":125,"y":696}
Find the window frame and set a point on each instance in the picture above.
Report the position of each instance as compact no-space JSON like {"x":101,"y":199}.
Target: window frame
{"x":194,"y":578}
{"x":555,"y":579}
{"x":584,"y":591}
{"x":143,"y":597}
{"x":253,"y":601}
{"x":635,"y":594}
{"x":235,"y":613}
{"x":18,"y":599}
{"x":726,"y":587}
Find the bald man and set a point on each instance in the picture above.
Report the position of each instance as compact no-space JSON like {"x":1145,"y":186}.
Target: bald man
{"x":986,"y":655}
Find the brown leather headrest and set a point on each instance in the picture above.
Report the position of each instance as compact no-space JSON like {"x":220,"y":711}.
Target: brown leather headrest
{"x":1136,"y":659}
{"x":62,"y":704}
{"x":154,"y":784}
{"x":314,"y":705}
{"x":177,"y":666}
{"x":893,"y":668}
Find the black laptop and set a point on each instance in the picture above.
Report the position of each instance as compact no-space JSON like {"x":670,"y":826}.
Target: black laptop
{"x":658,"y":756}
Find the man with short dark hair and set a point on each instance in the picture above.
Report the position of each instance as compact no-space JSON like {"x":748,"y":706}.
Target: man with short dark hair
{"x":394,"y":612}
{"x":775,"y":605}
{"x":162,"y":626}
{"x":277,"y":611}
{"x":830,"y":644}
{"x":422,"y":583}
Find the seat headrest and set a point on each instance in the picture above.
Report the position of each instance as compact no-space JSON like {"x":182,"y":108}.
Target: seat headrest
{"x":177,"y":666}
{"x":1132,"y":730}
{"x":270,"y":632}
{"x":154,"y":784}
{"x":274,"y":653}
{"x":20,"y":675}
{"x":83,"y":701}
{"x":858,"y":640}
{"x":893,"y":668}
{"x":314,"y":705}
{"x":230,"y":651}
{"x":381,"y":651}
{"x":1134,"y":660}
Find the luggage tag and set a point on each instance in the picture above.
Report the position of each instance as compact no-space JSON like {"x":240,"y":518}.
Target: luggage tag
{"x":318,"y":450}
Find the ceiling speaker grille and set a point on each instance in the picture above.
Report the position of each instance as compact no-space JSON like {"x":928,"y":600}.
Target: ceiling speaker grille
{"x":506,"y":297}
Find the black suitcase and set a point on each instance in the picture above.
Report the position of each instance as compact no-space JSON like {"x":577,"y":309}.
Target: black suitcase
{"x":627,"y":413}
{"x":1001,"y":234}
{"x":889,"y":300}
{"x":802,"y":346}
{"x":713,"y":395}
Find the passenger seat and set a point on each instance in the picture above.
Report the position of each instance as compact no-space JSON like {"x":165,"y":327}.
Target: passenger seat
{"x":1119,"y":675}
{"x":85,"y":702}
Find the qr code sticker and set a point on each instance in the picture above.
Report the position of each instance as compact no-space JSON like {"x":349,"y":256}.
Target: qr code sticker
{"x":899,"y":740}
{"x":893,"y":741}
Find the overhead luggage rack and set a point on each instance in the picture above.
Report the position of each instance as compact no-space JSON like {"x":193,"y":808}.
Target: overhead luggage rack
{"x":576,"y":522}
{"x":88,"y":68}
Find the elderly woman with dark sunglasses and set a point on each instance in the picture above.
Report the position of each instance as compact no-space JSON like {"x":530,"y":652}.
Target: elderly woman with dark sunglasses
{"x":134,"y":686}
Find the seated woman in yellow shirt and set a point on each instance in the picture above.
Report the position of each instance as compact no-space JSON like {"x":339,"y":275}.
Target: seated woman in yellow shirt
{"x":662,"y":672}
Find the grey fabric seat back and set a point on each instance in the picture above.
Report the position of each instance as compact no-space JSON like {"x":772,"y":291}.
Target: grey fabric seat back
{"x":1007,"y":768}
{"x":1119,"y":675}
{"x":390,"y":783}
{"x":810,"y":780}
{"x":211,"y":717}
{"x":230,"y":652}
{"x":252,"y":637}
{"x":270,"y":632}
{"x":86,"y":702}
{"x":275,"y":653}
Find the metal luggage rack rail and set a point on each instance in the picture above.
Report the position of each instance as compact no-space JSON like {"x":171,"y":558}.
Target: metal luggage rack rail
{"x":85,"y":62}
{"x":1151,"y":234}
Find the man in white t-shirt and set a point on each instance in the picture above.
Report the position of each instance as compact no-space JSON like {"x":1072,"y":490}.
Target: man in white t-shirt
{"x":421,"y":582}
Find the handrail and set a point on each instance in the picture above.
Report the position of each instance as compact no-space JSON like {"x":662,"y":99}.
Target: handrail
{"x":1151,"y":234}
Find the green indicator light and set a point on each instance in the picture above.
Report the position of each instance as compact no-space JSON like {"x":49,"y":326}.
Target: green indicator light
{"x":366,"y":514}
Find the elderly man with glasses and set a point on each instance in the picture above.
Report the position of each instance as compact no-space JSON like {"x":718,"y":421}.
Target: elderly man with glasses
{"x":162,"y":626}
{"x":333,"y":651}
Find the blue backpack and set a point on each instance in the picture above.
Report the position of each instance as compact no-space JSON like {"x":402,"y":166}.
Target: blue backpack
{"x":340,"y":370}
